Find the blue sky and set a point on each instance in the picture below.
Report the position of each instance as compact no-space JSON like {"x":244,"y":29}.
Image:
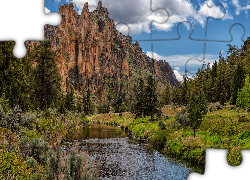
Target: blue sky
{"x":175,"y":15}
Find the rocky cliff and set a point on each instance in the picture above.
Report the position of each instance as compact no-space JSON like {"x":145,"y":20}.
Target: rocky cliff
{"x":90,"y":50}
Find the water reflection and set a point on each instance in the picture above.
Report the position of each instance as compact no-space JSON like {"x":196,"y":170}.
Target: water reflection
{"x":122,"y":158}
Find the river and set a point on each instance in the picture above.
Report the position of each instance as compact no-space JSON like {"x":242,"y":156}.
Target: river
{"x":121,"y":157}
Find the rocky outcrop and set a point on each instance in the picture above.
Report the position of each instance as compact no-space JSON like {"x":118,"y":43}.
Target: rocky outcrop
{"x":89,"y":49}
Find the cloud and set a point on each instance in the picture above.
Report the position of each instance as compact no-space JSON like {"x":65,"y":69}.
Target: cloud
{"x":239,"y":8}
{"x":177,"y":68}
{"x":178,"y":76}
{"x":181,"y":60}
{"x":47,"y":11}
{"x":58,"y":1}
{"x":138,"y":16}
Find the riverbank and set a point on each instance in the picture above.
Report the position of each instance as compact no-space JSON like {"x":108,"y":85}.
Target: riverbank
{"x":29,"y":144}
{"x":221,"y":129}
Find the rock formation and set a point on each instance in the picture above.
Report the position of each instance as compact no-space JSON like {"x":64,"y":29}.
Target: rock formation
{"x":89,"y":49}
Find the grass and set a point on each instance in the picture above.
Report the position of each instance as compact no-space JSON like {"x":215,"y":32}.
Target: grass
{"x":221,"y":129}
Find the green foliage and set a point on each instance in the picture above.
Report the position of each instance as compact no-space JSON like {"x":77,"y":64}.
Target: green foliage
{"x":166,"y":95}
{"x":182,"y":117}
{"x":213,"y":107}
{"x":194,"y":115}
{"x":139,"y":99}
{"x":237,"y":82}
{"x":46,"y":78}
{"x":146,"y":101}
{"x":159,"y":139}
{"x":69,"y":166}
{"x":14,"y":77}
{"x":15,"y":118}
{"x":243,"y":99}
{"x":35,"y":148}
{"x":161,"y":125}
{"x":151,"y":101}
{"x":12,"y":166}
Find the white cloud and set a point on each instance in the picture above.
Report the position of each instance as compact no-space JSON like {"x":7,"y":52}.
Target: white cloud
{"x":58,"y":0}
{"x":92,"y":4}
{"x":181,"y":60}
{"x":177,"y":68}
{"x":138,"y":16}
{"x":239,"y":8}
{"x":47,"y":11}
{"x":178,"y":76}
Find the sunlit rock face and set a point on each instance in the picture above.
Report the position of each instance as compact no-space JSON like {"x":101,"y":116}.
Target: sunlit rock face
{"x":89,"y":49}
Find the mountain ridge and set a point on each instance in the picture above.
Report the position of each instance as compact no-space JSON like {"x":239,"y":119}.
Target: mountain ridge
{"x":89,"y":50}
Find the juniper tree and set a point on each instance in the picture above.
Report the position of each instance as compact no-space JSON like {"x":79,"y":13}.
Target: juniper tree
{"x":194,"y":115}
{"x":47,"y":87}
{"x":151,"y":103}
{"x":243,"y":99}
{"x":139,"y":99}
{"x":14,"y":77}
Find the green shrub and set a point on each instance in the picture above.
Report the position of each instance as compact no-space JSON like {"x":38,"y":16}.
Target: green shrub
{"x":159,"y":139}
{"x":242,"y":118}
{"x":35,"y":148}
{"x":12,"y":166}
{"x":244,"y":135}
{"x":214,"y":106}
{"x":69,"y":166}
{"x":15,"y":118}
{"x":161,"y":125}
{"x":182,"y":117}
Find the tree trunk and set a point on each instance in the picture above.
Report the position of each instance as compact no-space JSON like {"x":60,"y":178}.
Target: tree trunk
{"x":194,"y":132}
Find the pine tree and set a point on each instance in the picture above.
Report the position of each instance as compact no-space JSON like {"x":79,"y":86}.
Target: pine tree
{"x":243,"y":99}
{"x":14,"y":77}
{"x":194,"y":115}
{"x":166,"y":95}
{"x":184,"y":92}
{"x":237,"y":82}
{"x":47,"y":87}
{"x":139,"y":99}
{"x":151,"y":103}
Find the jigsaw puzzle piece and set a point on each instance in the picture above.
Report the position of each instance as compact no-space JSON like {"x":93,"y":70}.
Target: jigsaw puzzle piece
{"x":237,"y":32}
{"x":26,"y":26}
{"x":171,"y":47}
{"x":217,"y":167}
{"x":210,"y":11}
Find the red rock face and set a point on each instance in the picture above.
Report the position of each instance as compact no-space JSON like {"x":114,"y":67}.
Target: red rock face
{"x":89,"y":48}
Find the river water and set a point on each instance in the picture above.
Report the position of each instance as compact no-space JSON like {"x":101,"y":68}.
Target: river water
{"x":120,"y":157}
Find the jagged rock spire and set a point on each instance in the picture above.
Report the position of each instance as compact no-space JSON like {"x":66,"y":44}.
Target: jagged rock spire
{"x":99,"y":6}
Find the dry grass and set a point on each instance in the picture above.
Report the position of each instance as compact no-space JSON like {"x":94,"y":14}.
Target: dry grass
{"x":170,"y":111}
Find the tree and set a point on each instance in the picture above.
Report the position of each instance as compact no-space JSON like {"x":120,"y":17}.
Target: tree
{"x":47,"y":87}
{"x":237,"y":83}
{"x":69,"y":100}
{"x":151,"y":103}
{"x":243,"y":99}
{"x":139,"y":99}
{"x":184,"y":90}
{"x":195,"y":115}
{"x":88,"y":104}
{"x":14,"y":77}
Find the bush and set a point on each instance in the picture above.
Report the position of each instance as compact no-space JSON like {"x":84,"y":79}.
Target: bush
{"x":159,"y":139}
{"x":161,"y":125}
{"x":12,"y":166}
{"x":182,"y":117}
{"x":214,"y":106}
{"x":16,"y":118}
{"x":69,"y":166}
{"x":242,"y":118}
{"x":35,"y":148}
